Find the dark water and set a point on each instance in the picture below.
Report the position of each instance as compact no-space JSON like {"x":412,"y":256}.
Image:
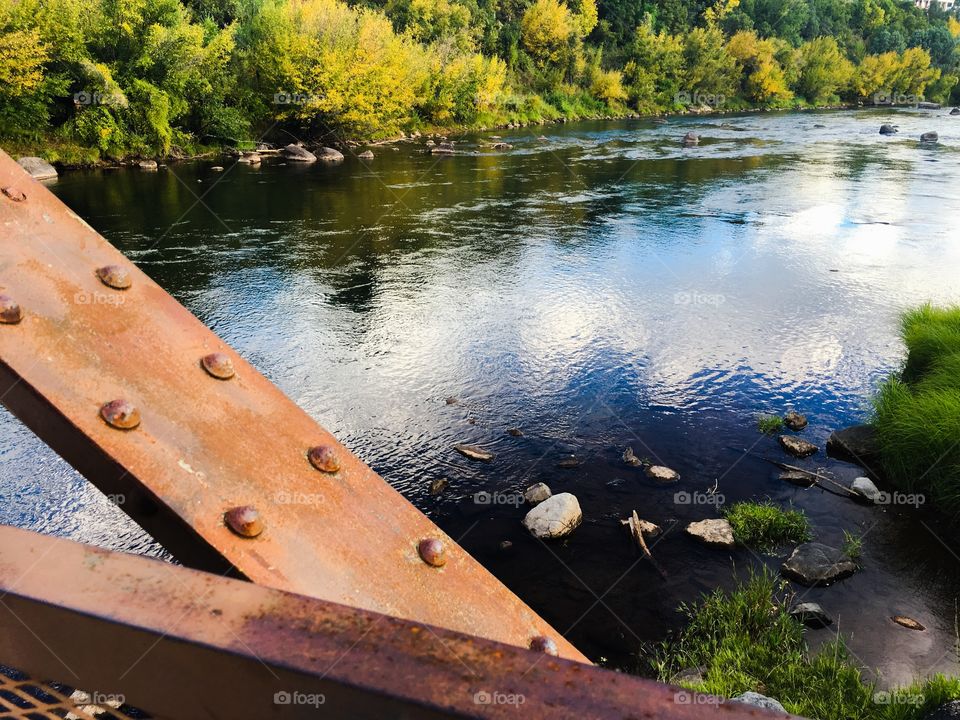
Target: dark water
{"x":602,"y":289}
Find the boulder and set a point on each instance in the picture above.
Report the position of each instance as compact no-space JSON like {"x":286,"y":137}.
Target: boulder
{"x":864,"y":487}
{"x":689,"y":676}
{"x":948,"y":711}
{"x":328,"y":154}
{"x":795,"y":421}
{"x":928,"y":105}
{"x":929,"y":137}
{"x":474,"y":453}
{"x":444,"y":148}
{"x":691,"y":138}
{"x":811,"y":615}
{"x":250,"y":158}
{"x":798,"y":478}
{"x":366,"y":155}
{"x":816,"y":564}
{"x":857,"y":444}
{"x":502,"y":146}
{"x":147,"y":164}
{"x":887,"y":129}
{"x":556,"y":517}
{"x":713,"y":532}
{"x":536,"y":494}
{"x":662,"y":474}
{"x":797,"y":447}
{"x":297,"y":154}
{"x":38,"y":168}
{"x":955,"y":111}
{"x":758,"y":700}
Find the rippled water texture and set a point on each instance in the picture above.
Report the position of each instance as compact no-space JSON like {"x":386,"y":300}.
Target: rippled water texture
{"x":603,"y":288}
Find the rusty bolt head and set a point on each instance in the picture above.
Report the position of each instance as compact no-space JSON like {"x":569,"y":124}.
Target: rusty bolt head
{"x":219,"y":365}
{"x":324,"y":458}
{"x":541,"y":643}
{"x":10,"y":312}
{"x":114,"y":276}
{"x":432,"y":552}
{"x":244,"y":521}
{"x":15,"y":194}
{"x":120,"y":414}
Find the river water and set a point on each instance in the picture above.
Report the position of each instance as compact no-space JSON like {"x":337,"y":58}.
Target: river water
{"x":599,"y":289}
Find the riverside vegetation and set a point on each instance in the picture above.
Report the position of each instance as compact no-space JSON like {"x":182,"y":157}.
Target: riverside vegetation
{"x":82,"y":80}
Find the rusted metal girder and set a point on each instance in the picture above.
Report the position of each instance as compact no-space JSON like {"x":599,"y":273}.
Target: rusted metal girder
{"x":183,"y":644}
{"x":210,"y":457}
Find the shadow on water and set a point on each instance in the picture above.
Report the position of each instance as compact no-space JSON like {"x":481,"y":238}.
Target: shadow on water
{"x":602,"y":289}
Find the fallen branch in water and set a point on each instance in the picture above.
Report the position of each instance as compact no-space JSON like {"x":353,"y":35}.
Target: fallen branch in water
{"x":815,"y":475}
{"x":636,"y":530}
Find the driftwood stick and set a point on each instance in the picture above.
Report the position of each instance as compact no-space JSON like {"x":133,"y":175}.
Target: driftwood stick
{"x":634,"y":522}
{"x":787,"y":466}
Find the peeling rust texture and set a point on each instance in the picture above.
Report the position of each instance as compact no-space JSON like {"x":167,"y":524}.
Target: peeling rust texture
{"x":204,"y":446}
{"x":184,"y":644}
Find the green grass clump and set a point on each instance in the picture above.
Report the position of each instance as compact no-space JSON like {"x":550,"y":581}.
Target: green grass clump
{"x":917,"y":416}
{"x":747,"y":640}
{"x":765,"y":526}
{"x":769,"y":424}
{"x":852,"y":544}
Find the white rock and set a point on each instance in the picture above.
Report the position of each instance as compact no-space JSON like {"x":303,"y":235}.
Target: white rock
{"x":758,"y":700}
{"x":556,"y":517}
{"x":536,"y":494}
{"x":662,"y":474}
{"x":38,"y":168}
{"x":713,"y":532}
{"x":865,"y":487}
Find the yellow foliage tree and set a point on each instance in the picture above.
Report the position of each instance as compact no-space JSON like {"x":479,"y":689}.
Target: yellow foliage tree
{"x":761,"y":77}
{"x":546,"y":30}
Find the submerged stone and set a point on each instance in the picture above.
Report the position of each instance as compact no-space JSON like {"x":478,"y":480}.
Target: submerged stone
{"x":811,"y":615}
{"x":816,"y":564}
{"x":798,"y":478}
{"x":797,"y":447}
{"x":474,"y":453}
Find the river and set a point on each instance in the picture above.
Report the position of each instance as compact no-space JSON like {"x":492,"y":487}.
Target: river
{"x":601,"y":288}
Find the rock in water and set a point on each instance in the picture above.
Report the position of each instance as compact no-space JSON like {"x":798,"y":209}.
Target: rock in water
{"x":864,"y":487}
{"x":515,"y":432}
{"x":366,"y":155}
{"x":297,"y":154}
{"x":147,"y":164}
{"x":648,"y":528}
{"x":929,"y":137}
{"x":536,"y":494}
{"x":569,"y":463}
{"x":758,"y":700}
{"x":662,"y":474}
{"x":438,"y":486}
{"x":908,"y":623}
{"x":556,"y":517}
{"x":795,"y":421}
{"x":797,"y":447}
{"x":816,"y":564}
{"x":38,"y":168}
{"x":857,"y":444}
{"x":690,"y":139}
{"x":327,"y":154}
{"x":955,"y":111}
{"x":474,"y":453}
{"x":713,"y":532}
{"x":811,"y":615}
{"x":798,"y":478}
{"x":630,"y":459}
{"x":949,"y":711}
{"x":251,"y":158}
{"x":886,"y":129}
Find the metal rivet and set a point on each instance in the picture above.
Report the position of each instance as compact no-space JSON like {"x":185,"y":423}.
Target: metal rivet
{"x":244,"y":521}
{"x":219,"y":365}
{"x":542,"y":643}
{"x":324,"y":458}
{"x":114,"y":276}
{"x":120,"y":414}
{"x":15,"y":194}
{"x":432,"y":552}
{"x":10,"y":312}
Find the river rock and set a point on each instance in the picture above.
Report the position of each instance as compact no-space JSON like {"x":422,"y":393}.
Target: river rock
{"x":816,"y":564}
{"x":948,"y":711}
{"x":250,"y":158}
{"x":515,"y":432}
{"x":556,"y":517}
{"x":908,"y":622}
{"x":929,"y":137}
{"x":501,"y":146}
{"x":864,"y":487}
{"x":366,"y":155}
{"x":38,"y":168}
{"x":474,"y":453}
{"x":857,"y":444}
{"x":689,"y":676}
{"x":662,"y":474}
{"x":328,"y":154}
{"x":536,"y":494}
{"x":713,"y":532}
{"x":798,"y":478}
{"x":569,"y":463}
{"x":217,"y":168}
{"x":758,"y":700}
{"x":691,"y":138}
{"x":297,"y":154}
{"x":795,"y":421}
{"x":955,"y":111}
{"x":797,"y":447}
{"x":811,"y":615}
{"x":438,"y":485}
{"x":147,"y":164}
{"x":631,"y":459}
{"x":887,"y":129}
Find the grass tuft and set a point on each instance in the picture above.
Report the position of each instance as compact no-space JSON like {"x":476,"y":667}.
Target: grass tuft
{"x":765,"y":526}
{"x":852,"y":544}
{"x":769,"y":424}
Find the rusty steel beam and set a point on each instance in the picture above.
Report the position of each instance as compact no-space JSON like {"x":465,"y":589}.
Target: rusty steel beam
{"x":145,"y":401}
{"x":179,"y":643}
